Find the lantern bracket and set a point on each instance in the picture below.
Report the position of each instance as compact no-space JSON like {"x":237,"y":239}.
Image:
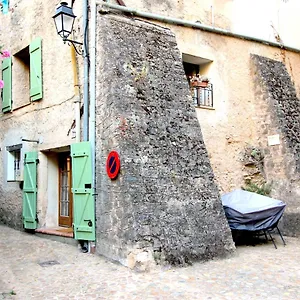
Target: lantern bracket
{"x":74,"y":43}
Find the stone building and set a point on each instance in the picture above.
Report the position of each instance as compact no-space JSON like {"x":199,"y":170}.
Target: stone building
{"x":249,"y":119}
{"x":164,"y":204}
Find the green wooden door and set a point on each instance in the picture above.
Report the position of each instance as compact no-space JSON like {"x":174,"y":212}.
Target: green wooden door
{"x":83,"y":199}
{"x":30,"y":190}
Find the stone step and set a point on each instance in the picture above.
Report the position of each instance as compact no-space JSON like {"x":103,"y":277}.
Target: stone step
{"x":62,"y":235}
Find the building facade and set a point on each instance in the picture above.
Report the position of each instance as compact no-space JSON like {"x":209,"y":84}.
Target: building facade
{"x":164,"y":205}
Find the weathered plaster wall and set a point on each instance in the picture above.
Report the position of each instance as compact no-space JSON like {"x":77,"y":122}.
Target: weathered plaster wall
{"x":210,"y":12}
{"x":274,"y":20}
{"x":235,"y":122}
{"x":241,"y":117}
{"x":48,"y":119}
{"x":165,"y":199}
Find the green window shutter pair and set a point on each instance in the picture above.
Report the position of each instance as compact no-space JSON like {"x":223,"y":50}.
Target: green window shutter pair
{"x":36,"y":80}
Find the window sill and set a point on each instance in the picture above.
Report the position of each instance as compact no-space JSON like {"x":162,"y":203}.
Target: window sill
{"x":205,"y":107}
{"x":14,"y":180}
{"x":21,"y":106}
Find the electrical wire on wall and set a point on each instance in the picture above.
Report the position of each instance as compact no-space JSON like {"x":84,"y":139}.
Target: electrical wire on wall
{"x":85,"y":39}
{"x":85,"y":36}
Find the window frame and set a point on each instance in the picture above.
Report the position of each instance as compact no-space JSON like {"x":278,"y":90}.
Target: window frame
{"x":203,"y":96}
{"x":14,"y":170}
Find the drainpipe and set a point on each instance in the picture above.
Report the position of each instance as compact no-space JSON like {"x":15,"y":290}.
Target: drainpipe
{"x":92,"y":120}
{"x":76,"y":92}
{"x":85,"y":72}
{"x":176,"y":21}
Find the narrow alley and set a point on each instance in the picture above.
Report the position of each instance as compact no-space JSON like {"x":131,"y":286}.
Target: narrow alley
{"x":37,"y":268}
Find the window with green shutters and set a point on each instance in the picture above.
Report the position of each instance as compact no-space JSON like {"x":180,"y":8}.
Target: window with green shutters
{"x":23,"y":82}
{"x":6,"y":91}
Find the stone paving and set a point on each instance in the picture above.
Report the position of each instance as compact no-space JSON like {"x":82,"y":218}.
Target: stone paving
{"x":32,"y":267}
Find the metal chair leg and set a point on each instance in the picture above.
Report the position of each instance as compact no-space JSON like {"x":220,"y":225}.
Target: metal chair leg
{"x":265,"y":235}
{"x":272,"y":239}
{"x":281,"y":236}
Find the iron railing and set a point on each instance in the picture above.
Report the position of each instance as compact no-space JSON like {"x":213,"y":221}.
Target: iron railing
{"x":202,"y":96}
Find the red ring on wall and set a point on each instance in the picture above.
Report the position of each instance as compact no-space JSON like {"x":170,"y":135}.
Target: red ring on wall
{"x":113,"y":164}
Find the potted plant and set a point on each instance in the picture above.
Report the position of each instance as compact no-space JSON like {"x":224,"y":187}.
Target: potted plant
{"x":199,"y":80}
{"x":3,"y":54}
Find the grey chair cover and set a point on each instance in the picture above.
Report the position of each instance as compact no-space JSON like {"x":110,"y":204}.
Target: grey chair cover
{"x":250,"y":211}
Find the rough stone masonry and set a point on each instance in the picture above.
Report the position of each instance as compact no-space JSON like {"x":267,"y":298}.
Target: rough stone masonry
{"x":282,"y":162}
{"x":165,"y":204}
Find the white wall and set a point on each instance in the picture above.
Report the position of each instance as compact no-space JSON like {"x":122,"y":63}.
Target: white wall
{"x":268,"y":18}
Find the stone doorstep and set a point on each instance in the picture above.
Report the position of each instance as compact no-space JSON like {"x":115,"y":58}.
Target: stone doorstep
{"x":57,"y":234}
{"x":59,"y":231}
{"x":63,"y":235}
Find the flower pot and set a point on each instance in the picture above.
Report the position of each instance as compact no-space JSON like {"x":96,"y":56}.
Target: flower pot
{"x":199,"y":84}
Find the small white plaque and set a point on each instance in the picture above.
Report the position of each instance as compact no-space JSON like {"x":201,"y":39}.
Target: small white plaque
{"x":273,"y":140}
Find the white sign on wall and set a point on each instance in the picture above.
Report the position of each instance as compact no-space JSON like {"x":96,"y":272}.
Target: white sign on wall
{"x":273,"y":140}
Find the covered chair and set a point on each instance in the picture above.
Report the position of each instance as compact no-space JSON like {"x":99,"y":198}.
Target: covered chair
{"x":252,"y":212}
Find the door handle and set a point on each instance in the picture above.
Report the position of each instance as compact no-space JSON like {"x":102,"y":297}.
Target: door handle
{"x":90,"y":223}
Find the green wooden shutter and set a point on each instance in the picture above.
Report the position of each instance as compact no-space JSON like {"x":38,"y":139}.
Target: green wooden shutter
{"x":30,"y":190}
{"x":83,"y":200}
{"x":36,"y":80}
{"x":6,"y":92}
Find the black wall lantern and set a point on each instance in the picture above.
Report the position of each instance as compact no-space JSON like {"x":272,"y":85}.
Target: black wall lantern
{"x":64,"y":21}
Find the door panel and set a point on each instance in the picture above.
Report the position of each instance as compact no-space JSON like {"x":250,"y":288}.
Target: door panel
{"x":65,"y":204}
{"x":84,"y":207}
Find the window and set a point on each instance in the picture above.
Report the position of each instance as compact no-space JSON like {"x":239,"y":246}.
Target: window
{"x":203,"y":95}
{"x":196,"y":69}
{"x":21,"y":73}
{"x":26,"y":74}
{"x":14,"y":163}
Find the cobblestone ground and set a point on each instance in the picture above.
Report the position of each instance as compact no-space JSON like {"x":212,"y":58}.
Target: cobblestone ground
{"x":259,"y":272}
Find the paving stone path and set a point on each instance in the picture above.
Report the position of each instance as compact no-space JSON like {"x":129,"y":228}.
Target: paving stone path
{"x":32,"y":267}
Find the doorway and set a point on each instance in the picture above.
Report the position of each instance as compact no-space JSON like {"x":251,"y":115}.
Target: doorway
{"x":65,"y":198}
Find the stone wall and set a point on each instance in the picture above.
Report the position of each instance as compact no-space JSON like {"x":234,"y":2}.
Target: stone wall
{"x":164,"y":203}
{"x":10,"y":213}
{"x":282,"y":116}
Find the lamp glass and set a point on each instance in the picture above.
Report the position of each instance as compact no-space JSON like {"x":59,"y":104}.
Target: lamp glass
{"x":64,"y":20}
{"x":67,"y":24}
{"x":58,"y":24}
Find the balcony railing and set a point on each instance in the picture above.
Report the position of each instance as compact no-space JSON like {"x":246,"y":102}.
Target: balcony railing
{"x":203,"y":96}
